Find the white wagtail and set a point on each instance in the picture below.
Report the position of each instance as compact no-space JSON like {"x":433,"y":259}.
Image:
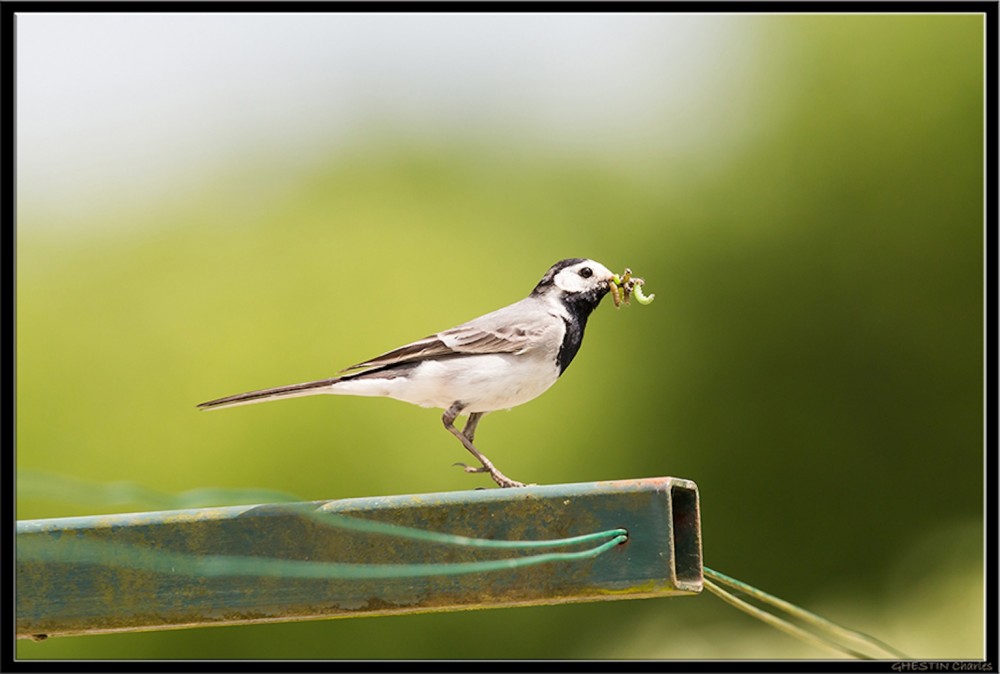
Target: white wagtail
{"x":494,"y":362}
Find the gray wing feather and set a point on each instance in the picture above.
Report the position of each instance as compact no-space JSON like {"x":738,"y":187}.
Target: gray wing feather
{"x":508,"y":330}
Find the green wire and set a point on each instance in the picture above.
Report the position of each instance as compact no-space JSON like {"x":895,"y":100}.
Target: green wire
{"x":46,"y":485}
{"x":31,"y":483}
{"x":36,"y":484}
{"x":820,"y":624}
{"x":778,"y":623}
{"x":134,"y":557}
{"x":399,"y":531}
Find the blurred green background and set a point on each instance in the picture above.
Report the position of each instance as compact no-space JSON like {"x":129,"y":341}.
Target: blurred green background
{"x":804,"y":194}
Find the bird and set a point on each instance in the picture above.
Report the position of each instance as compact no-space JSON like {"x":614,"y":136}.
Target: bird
{"x":494,"y":362}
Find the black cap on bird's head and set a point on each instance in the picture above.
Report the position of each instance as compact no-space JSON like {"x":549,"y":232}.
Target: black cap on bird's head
{"x":576,"y":275}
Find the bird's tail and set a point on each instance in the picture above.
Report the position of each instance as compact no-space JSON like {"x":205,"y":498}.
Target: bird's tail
{"x":290,"y":391}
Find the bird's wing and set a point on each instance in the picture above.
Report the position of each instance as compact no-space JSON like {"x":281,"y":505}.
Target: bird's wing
{"x":487,"y":334}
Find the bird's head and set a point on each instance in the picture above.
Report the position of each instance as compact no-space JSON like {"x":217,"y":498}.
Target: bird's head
{"x":577,"y":281}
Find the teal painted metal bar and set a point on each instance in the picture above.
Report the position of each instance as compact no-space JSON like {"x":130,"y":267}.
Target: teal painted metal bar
{"x":280,"y":562}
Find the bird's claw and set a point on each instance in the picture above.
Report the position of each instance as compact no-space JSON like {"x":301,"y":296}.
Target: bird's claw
{"x":471,"y":469}
{"x":498,"y":477}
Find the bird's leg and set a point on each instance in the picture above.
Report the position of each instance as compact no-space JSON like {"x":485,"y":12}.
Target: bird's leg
{"x":469,"y":432}
{"x":487,"y":466}
{"x":470,"y":426}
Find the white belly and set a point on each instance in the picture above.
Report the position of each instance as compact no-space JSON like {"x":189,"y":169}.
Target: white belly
{"x":483,"y":383}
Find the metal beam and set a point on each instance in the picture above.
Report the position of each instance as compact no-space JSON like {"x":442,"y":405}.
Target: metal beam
{"x":64,"y":587}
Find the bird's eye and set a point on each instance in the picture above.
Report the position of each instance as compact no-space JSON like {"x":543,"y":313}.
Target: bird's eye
{"x":586,"y":272}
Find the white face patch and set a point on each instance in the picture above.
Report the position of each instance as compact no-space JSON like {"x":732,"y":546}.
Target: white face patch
{"x":571,"y":279}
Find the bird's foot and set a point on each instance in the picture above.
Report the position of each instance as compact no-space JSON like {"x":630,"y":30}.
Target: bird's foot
{"x":504,"y":481}
{"x":498,"y":477}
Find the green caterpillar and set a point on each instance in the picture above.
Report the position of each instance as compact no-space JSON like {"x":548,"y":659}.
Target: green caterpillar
{"x":641,"y":297}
